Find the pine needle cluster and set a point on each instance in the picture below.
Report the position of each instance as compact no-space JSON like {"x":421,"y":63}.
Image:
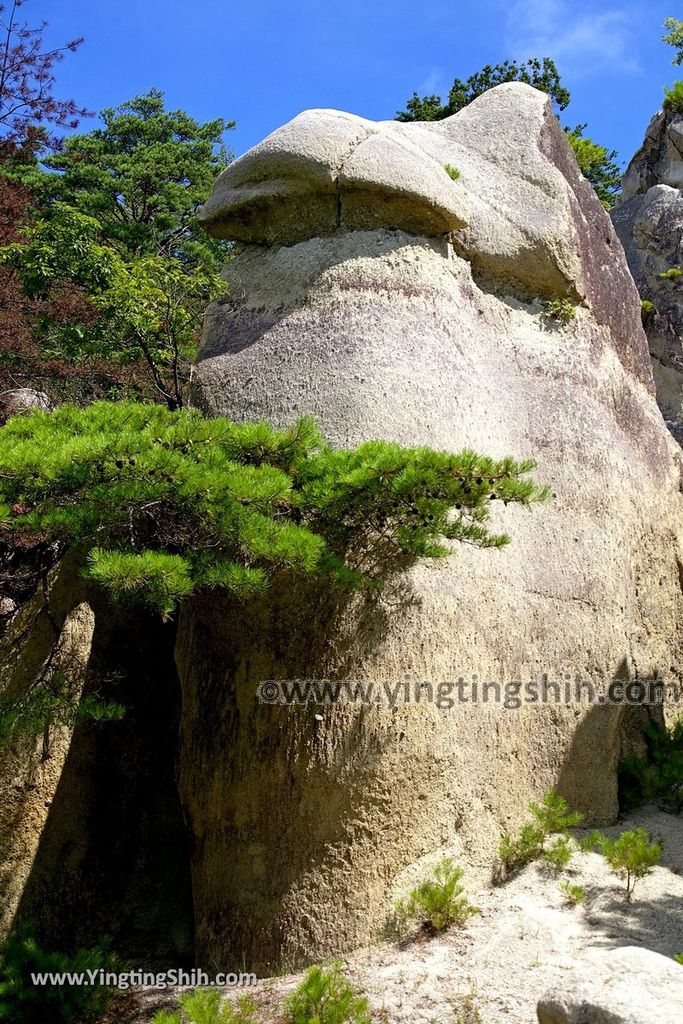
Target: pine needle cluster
{"x":166,"y":503}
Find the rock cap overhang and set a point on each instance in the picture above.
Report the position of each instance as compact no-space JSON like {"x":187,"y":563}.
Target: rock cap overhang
{"x":327,"y":169}
{"x":521,"y":212}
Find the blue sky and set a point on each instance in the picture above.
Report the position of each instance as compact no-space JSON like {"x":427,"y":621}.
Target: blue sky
{"x":260,"y":62}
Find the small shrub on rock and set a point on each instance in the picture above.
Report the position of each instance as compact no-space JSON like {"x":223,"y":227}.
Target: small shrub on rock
{"x":673,"y":273}
{"x":326,"y":996}
{"x":558,"y":855}
{"x":517,"y":853}
{"x":673,"y":98}
{"x":554,"y":815}
{"x":591,"y":842}
{"x":559,"y":309}
{"x":452,"y":172}
{"x":438,"y":902}
{"x":551,"y":817}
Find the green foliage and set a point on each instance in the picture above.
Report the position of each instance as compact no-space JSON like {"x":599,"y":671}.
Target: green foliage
{"x":559,"y":854}
{"x":647,"y":310}
{"x":527,"y":847}
{"x":679,"y":958}
{"x":166,"y":503}
{"x":553,"y":814}
{"x":205,"y":1006}
{"x":326,"y":996}
{"x":142,"y":176}
{"x":438,"y":902}
{"x":591,"y":842}
{"x":52,"y":701}
{"x":674,"y":37}
{"x":573,"y":894}
{"x":671,"y":274}
{"x":632,"y":856}
{"x":117,"y":221}
{"x":541,"y":74}
{"x":22,"y":1002}
{"x":149,"y":306}
{"x":658,"y":776}
{"x":452,"y":172}
{"x":551,"y":817}
{"x":597,"y":164}
{"x":560,"y":309}
{"x":673,"y":98}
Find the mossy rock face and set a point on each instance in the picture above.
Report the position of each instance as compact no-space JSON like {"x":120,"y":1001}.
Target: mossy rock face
{"x":302,"y":818}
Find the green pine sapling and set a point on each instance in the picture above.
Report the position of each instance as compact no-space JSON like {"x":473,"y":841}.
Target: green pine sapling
{"x":633,"y":856}
{"x":438,"y":902}
{"x":551,"y":817}
{"x":326,"y":996}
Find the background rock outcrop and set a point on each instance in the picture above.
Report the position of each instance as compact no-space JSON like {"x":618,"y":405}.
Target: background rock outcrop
{"x":390,"y":300}
{"x":649,"y":222}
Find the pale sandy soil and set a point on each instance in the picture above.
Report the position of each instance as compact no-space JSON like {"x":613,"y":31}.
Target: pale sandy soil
{"x":525,"y":940}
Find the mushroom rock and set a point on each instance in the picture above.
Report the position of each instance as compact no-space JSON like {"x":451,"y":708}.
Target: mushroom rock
{"x":392,"y":297}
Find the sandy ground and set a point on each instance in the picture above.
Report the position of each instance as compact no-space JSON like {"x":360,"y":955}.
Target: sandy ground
{"x":523,"y":942}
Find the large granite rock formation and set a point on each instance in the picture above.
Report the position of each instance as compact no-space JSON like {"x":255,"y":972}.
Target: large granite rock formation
{"x":391,"y":299}
{"x":649,"y":222}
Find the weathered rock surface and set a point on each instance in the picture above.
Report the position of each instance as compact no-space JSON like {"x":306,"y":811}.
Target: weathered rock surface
{"x":91,"y":818}
{"x":51,"y":634}
{"x":649,"y":222}
{"x":627,"y":985}
{"x":340,"y":308}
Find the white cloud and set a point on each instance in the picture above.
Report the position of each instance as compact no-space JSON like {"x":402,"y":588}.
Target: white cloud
{"x":579,"y":41}
{"x":433,"y":83}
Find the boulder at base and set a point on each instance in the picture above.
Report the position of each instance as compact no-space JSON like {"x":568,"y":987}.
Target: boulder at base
{"x":627,"y":985}
{"x":391,"y":298}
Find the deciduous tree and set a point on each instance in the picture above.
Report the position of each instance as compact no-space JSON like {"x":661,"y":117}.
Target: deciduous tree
{"x":28,"y":105}
{"x":674,"y":37}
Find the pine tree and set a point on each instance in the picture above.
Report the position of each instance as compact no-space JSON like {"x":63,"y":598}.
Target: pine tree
{"x":164,"y":504}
